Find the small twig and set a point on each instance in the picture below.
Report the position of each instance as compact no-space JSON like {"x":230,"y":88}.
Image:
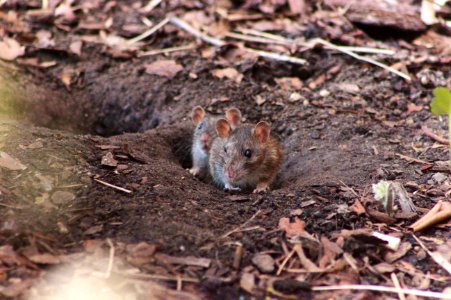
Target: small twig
{"x":151,"y":5}
{"x":218,"y":42}
{"x":113,"y":186}
{"x":156,"y":276}
{"x":398,"y":286}
{"x":241,"y":226}
{"x":166,"y":50}
{"x":362,"y":58}
{"x":439,"y":259}
{"x":408,"y":158}
{"x":262,"y":40}
{"x":277,"y":56}
{"x":386,"y":289}
{"x":284,"y":262}
{"x":277,"y":39}
{"x":179,"y":282}
{"x":433,"y":135}
{"x":188,"y":28}
{"x":368,"y":50}
{"x":238,"y":255}
{"x":148,"y":32}
{"x":111,"y":259}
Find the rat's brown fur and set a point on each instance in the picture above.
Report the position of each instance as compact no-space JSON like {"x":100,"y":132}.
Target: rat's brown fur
{"x":258,"y":171}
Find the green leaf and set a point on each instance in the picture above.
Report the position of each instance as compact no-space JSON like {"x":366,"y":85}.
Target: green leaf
{"x":442,"y":101}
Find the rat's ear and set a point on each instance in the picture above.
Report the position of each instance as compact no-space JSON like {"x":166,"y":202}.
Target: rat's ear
{"x":233,"y":115}
{"x":261,"y":131}
{"x":223,"y":128}
{"x":198,"y":114}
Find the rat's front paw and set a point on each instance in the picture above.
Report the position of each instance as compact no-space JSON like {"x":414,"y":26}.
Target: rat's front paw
{"x":229,"y":188}
{"x":195,"y":171}
{"x":261,"y":189}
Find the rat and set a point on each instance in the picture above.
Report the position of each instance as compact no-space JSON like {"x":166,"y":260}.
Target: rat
{"x":204,"y":134}
{"x":244,"y":156}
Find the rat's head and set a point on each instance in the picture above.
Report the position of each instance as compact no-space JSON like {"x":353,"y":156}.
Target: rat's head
{"x":244,"y":149}
{"x":205,"y":131}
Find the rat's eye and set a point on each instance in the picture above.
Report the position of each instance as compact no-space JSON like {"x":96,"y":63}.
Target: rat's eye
{"x":201,"y":125}
{"x":248,"y":153}
{"x":225,"y":149}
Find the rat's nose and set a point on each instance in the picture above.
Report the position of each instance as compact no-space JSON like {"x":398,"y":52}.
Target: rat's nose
{"x":230,"y":173}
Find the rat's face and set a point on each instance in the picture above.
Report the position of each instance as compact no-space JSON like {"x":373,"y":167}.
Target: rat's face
{"x":242,"y":155}
{"x":243,"y":151}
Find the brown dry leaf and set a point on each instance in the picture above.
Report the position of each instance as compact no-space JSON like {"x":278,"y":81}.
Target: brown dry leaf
{"x":260,"y":99}
{"x":166,"y":68}
{"x":384,"y":267}
{"x":289,"y":83}
{"x":413,"y":108}
{"x":141,"y":253}
{"x":16,"y":288}
{"x":108,"y":160}
{"x":75,"y":47}
{"x":357,"y":207}
{"x":297,"y":6}
{"x":229,"y":73}
{"x":306,"y":262}
{"x":292,"y":229}
{"x":188,"y":260}
{"x":264,"y":262}
{"x":44,"y":259}
{"x":66,"y":78}
{"x":93,"y":230}
{"x":330,"y":250}
{"x":247,"y":282}
{"x":10,"y":163}
{"x":45,"y":39}
{"x":10,"y":49}
{"x":391,"y":256}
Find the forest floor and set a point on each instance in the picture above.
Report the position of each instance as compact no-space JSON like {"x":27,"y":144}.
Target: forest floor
{"x":95,"y":145}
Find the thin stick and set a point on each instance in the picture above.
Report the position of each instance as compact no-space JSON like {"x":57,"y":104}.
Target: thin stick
{"x":179,"y":282}
{"x":270,"y":36}
{"x":218,"y":42}
{"x":151,"y":5}
{"x":241,"y":226}
{"x":148,"y":32}
{"x":111,"y":259}
{"x":156,"y":276}
{"x":286,"y":41}
{"x":188,"y":28}
{"x":166,"y":50}
{"x":368,"y":50}
{"x":113,"y":186}
{"x":408,"y":158}
{"x":277,"y":56}
{"x":362,"y":58}
{"x":282,"y":265}
{"x":386,"y":289}
{"x":398,"y":286}
{"x":262,"y":40}
{"x":434,"y":136}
